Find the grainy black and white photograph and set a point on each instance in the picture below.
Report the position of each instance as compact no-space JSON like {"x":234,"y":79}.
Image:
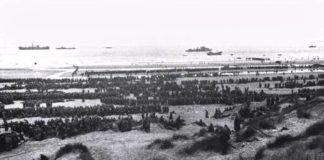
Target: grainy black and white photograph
{"x":161,"y":80}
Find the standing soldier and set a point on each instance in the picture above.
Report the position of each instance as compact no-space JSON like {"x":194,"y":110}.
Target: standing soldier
{"x":146,"y":125}
{"x":237,"y":124}
{"x":171,"y":116}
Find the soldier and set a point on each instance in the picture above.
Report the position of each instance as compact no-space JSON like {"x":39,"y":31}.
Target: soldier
{"x":227,"y":129}
{"x":206,"y":114}
{"x":268,"y":101}
{"x":237,"y":124}
{"x":146,"y":125}
{"x":171,"y":116}
{"x":211,"y":128}
{"x":225,"y":133}
{"x":161,"y":119}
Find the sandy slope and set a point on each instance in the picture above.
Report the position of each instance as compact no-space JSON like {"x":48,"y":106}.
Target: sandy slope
{"x":122,"y":146}
{"x":102,"y":145}
{"x":131,"y":145}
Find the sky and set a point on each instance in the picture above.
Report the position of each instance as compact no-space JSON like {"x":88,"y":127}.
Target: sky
{"x":161,"y":22}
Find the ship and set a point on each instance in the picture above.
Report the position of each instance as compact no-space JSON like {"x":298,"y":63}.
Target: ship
{"x":214,"y":53}
{"x":32,"y":47}
{"x":199,"y":49}
{"x":66,"y":47}
{"x":312,"y":46}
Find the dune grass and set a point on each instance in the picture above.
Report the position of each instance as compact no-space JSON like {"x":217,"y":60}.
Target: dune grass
{"x":315,"y":129}
{"x":280,"y":141}
{"x":75,"y":148}
{"x":212,"y":143}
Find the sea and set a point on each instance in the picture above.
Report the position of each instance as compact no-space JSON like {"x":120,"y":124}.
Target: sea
{"x":15,"y":63}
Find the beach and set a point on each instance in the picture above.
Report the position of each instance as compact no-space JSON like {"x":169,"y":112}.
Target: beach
{"x":207,"y":93}
{"x":53,"y":63}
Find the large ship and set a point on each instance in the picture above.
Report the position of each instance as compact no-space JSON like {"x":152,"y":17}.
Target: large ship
{"x":32,"y":47}
{"x":66,"y":47}
{"x":199,"y":49}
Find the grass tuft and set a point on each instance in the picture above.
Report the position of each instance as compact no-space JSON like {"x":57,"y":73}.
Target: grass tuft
{"x":76,"y":147}
{"x":161,"y":143}
{"x":259,"y":154}
{"x":245,"y":134}
{"x":315,"y":143}
{"x":213,"y":143}
{"x":176,"y":137}
{"x":315,"y":129}
{"x":266,"y":124}
{"x":303,"y":114}
{"x":280,"y":141}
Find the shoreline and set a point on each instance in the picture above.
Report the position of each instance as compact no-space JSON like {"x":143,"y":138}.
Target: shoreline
{"x":145,"y":65}
{"x":230,"y":67}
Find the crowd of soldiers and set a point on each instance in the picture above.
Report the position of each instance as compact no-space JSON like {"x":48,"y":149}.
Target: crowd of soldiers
{"x":149,"y":93}
{"x":68,"y":127}
{"x":158,"y":89}
{"x":63,"y":128}
{"x":100,"y":110}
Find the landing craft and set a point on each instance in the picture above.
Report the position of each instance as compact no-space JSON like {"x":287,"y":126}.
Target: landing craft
{"x":66,"y":47}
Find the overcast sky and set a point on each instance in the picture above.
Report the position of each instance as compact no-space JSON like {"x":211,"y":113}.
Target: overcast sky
{"x":161,"y":22}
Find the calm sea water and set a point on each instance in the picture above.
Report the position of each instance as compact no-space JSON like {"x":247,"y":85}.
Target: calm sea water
{"x":90,"y":56}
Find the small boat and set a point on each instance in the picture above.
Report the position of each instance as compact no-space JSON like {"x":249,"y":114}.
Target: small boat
{"x":312,"y":46}
{"x":214,"y":53}
{"x":108,"y":47}
{"x":278,"y":62}
{"x":257,"y":59}
{"x":66,"y":47}
{"x":279,"y":55}
{"x":238,"y":58}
